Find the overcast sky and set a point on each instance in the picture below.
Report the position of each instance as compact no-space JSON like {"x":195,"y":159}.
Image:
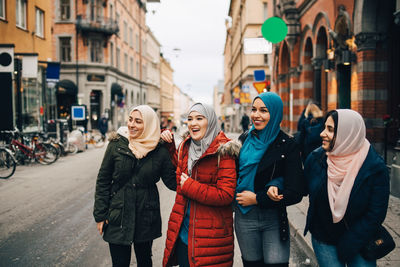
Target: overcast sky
{"x":197,"y":28}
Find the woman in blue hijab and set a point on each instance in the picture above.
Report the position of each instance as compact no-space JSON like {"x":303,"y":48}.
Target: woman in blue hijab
{"x":270,"y":178}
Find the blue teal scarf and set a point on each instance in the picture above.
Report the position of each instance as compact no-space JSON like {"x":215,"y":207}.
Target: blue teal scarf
{"x":254,"y":148}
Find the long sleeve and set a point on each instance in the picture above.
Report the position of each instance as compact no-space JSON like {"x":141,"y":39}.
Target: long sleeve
{"x":103,"y":185}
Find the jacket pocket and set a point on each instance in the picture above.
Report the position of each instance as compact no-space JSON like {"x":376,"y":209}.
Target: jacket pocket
{"x":116,"y":208}
{"x":151,"y":213}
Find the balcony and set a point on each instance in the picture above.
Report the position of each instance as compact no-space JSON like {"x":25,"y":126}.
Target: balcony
{"x":97,"y":24}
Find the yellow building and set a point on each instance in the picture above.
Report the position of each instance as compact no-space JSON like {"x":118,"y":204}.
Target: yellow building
{"x":27,"y":26}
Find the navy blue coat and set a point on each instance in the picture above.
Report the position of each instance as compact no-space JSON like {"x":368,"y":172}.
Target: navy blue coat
{"x":367,"y":205}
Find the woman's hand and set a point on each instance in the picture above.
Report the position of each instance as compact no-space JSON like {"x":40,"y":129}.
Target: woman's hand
{"x":246,"y":198}
{"x":184,"y":177}
{"x":100,"y":226}
{"x":273,"y":193}
{"x":167,"y":136}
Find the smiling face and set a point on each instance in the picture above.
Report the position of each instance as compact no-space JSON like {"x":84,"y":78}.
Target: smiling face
{"x":259,"y":114}
{"x":135,"y":124}
{"x":328,"y":134}
{"x":197,"y":125}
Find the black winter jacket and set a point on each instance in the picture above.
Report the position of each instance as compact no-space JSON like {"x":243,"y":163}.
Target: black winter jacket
{"x":367,"y":205}
{"x":127,"y":195}
{"x":281,"y":159}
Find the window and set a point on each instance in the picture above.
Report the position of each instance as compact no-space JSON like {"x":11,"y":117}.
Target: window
{"x":2,"y":9}
{"x":111,"y":11}
{"x":96,"y":50}
{"x":21,"y":13}
{"x":137,"y":70}
{"x":265,"y":59}
{"x":117,"y":21}
{"x":137,"y":42}
{"x":137,"y":99}
{"x":265,"y":10}
{"x":65,"y":9}
{"x":39,"y":23}
{"x":65,"y":49}
{"x":125,"y":31}
{"x":112,"y":54}
{"x":117,"y":58}
{"x":130,"y":37}
{"x":126,"y":63}
{"x":96,"y":10}
{"x":132,"y":98}
{"x":131,"y":65}
{"x":143,"y":47}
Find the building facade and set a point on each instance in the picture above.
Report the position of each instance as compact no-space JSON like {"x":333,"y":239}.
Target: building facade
{"x":102,"y":49}
{"x":167,"y":93}
{"x":341,"y":54}
{"x":153,"y":72}
{"x":25,"y":26}
{"x":246,"y":19}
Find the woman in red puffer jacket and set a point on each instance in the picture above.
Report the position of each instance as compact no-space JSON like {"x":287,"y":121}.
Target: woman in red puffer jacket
{"x":200,"y":227}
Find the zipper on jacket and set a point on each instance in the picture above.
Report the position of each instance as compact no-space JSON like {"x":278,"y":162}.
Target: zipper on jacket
{"x":194,"y":220}
{"x":123,"y":208}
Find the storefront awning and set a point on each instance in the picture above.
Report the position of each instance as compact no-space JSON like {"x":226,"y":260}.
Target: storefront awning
{"x":116,"y":89}
{"x":66,"y":87}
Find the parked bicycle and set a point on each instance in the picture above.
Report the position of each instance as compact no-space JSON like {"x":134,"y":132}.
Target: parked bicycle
{"x":29,"y":149}
{"x":7,"y":163}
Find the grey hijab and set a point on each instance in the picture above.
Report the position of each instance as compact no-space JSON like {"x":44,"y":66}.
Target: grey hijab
{"x":197,"y":148}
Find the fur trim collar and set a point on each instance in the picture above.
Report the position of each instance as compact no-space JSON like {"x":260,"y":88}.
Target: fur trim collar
{"x":231,"y":148}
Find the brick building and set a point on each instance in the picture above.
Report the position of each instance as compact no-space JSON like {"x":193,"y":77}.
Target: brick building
{"x":340,"y":54}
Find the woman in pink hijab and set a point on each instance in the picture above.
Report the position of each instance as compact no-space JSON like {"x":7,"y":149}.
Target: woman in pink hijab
{"x":348,"y":185}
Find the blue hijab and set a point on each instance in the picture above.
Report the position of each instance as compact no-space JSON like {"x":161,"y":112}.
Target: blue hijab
{"x":254,"y":148}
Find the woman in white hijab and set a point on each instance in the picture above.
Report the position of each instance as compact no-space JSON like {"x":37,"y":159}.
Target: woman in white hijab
{"x":127,"y":205}
{"x":348,"y":185}
{"x":200,"y":227}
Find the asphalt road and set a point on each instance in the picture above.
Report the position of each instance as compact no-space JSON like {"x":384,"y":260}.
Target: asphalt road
{"x":46,"y":216}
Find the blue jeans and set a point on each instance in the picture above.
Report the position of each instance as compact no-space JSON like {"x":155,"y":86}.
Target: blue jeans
{"x":258,"y":236}
{"x":327,"y":256}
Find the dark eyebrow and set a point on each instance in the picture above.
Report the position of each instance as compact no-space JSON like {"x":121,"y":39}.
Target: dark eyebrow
{"x":197,"y":116}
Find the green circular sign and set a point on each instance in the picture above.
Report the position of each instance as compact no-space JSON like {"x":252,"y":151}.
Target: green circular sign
{"x":274,"y":30}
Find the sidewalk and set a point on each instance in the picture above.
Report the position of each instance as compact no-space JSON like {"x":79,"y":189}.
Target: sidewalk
{"x":297,"y":219}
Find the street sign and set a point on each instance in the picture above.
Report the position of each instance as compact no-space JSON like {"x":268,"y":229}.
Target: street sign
{"x":260,"y":86}
{"x":259,"y":75}
{"x":78,"y":113}
{"x":257,"y":46}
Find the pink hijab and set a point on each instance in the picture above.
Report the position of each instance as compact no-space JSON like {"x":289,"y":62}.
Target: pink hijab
{"x":345,"y":160}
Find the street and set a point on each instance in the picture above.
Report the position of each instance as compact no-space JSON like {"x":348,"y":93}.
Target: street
{"x":46,"y":216}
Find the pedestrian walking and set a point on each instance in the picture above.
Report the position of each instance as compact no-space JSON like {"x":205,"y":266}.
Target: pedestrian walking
{"x":200,"y":227}
{"x":270,"y":178}
{"x":348,"y":185}
{"x":245,"y":122}
{"x":310,"y":130}
{"x":103,"y":125}
{"x":127,"y":205}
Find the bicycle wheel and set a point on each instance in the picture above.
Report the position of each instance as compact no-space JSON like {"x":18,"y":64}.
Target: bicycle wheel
{"x":51,"y":153}
{"x":7,"y":164}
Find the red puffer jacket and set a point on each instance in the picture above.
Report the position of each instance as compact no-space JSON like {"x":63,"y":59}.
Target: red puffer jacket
{"x":211,"y":190}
